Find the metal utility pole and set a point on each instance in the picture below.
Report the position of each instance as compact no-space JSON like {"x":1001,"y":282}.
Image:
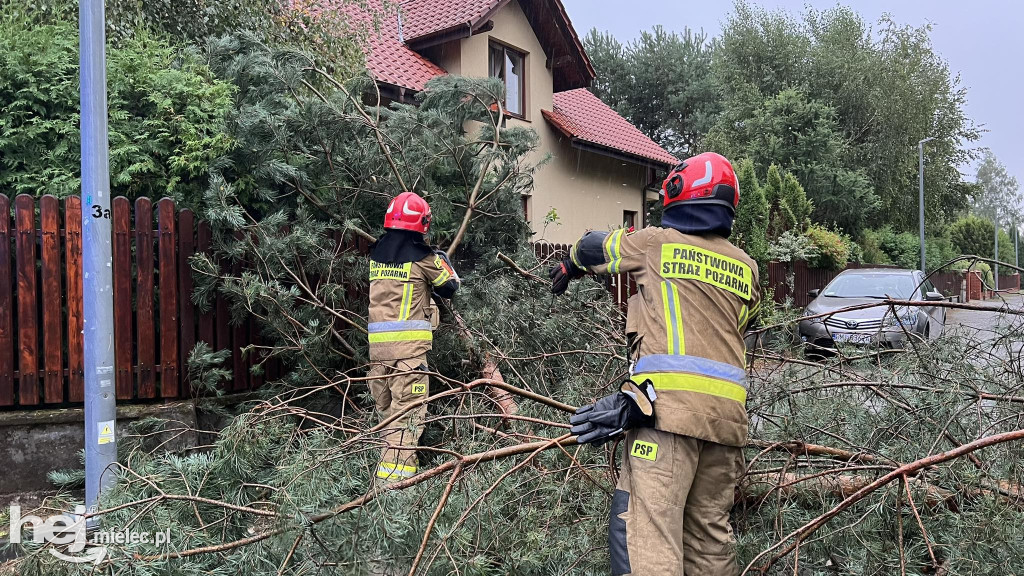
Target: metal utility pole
{"x":920,"y":172}
{"x":995,"y":257}
{"x":97,"y":265}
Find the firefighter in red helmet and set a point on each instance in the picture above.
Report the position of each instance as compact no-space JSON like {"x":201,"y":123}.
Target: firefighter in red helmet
{"x":404,"y":273}
{"x":683,"y":409}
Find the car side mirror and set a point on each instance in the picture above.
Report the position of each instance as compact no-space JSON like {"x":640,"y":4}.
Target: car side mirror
{"x":934,"y":296}
{"x":814,"y":293}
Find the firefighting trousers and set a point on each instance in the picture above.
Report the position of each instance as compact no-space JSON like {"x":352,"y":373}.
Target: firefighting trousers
{"x":670,"y":510}
{"x":394,"y":392}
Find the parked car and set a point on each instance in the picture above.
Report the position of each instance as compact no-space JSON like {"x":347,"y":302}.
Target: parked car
{"x":877,"y":325}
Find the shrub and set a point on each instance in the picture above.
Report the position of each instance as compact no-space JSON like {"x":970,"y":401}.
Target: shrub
{"x":983,"y":267}
{"x":166,"y":113}
{"x":750,"y":227}
{"x":832,"y":248}
{"x":871,"y":248}
{"x":974,"y":235}
{"x":791,"y":247}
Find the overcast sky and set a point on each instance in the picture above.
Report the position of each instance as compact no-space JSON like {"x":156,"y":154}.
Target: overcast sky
{"x":983,"y":40}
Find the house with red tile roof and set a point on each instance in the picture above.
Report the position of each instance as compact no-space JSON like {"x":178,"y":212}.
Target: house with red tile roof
{"x":602,"y":169}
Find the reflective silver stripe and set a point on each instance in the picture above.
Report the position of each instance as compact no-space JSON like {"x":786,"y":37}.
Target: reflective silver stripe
{"x":402,"y":326}
{"x":690,"y":365}
{"x":386,"y":470}
{"x":707,"y":176}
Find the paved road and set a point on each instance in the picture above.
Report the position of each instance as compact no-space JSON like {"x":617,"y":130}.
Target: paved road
{"x":985,"y":321}
{"x":987,"y":326}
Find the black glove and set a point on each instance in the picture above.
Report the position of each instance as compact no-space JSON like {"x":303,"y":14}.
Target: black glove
{"x":561,"y":274}
{"x":631,"y":407}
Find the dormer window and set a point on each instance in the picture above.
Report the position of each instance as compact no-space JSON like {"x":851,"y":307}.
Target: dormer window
{"x":508,"y":65}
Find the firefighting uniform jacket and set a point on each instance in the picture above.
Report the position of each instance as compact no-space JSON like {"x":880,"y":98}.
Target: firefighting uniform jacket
{"x":399,"y":326}
{"x":688,"y":285}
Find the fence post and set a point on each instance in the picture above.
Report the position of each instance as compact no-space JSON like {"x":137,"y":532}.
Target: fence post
{"x":6,"y":319}
{"x":187,"y":311}
{"x":73,"y":274}
{"x":169,"y":386}
{"x":144,"y":329}
{"x":53,"y":376}
{"x":206,"y":321}
{"x":123,"y":349}
{"x":28,"y":328}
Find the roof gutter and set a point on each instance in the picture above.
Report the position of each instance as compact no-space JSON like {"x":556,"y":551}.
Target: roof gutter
{"x":617,"y":154}
{"x":459,"y":32}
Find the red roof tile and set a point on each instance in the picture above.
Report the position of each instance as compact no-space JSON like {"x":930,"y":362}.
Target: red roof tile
{"x":582,"y":116}
{"x":387,"y":58}
{"x":426,"y":17}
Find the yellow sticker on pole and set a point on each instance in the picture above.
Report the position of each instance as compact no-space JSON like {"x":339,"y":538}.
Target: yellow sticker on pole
{"x":105,"y":430}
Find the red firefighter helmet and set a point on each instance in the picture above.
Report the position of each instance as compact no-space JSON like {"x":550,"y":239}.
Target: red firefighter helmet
{"x":707,"y":178}
{"x":408,"y":212}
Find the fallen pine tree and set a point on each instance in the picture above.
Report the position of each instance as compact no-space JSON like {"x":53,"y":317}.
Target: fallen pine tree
{"x":874,"y":464}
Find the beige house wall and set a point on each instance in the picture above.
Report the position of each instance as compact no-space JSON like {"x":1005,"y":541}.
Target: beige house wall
{"x":586,"y":191}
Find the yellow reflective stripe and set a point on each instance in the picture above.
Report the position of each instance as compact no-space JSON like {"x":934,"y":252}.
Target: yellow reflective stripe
{"x":679,"y":320}
{"x":613,"y":251}
{"x":443,"y":277}
{"x":673,"y":318}
{"x":696,"y":383}
{"x":403,"y":336}
{"x":668,"y":317}
{"x":744,"y":314}
{"x":575,"y":260}
{"x":403,"y":313}
{"x":388,"y":469}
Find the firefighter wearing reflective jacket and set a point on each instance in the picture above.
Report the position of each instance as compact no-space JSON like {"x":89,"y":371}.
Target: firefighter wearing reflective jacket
{"x":404,"y":273}
{"x":697,"y":293}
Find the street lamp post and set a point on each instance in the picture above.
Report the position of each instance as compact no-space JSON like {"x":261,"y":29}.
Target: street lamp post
{"x":920,"y":172}
{"x":995,"y":256}
{"x":98,"y":304}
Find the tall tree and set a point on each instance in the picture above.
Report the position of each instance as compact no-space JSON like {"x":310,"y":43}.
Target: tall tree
{"x":749,"y":231}
{"x":997,"y":191}
{"x":842,"y":104}
{"x":661,"y":82}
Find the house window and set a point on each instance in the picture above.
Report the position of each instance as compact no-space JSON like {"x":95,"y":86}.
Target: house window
{"x":526,"y":208}
{"x":508,"y":65}
{"x":629,"y":219}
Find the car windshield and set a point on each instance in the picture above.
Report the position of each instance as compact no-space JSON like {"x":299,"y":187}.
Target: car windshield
{"x":871,"y":286}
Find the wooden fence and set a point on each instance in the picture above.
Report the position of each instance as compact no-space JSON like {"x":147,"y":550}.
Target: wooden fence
{"x":621,"y":286}
{"x":950,"y":283}
{"x":156,"y":324}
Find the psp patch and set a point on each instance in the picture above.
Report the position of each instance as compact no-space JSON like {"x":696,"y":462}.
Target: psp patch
{"x":419,"y":388}
{"x":644,"y":450}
